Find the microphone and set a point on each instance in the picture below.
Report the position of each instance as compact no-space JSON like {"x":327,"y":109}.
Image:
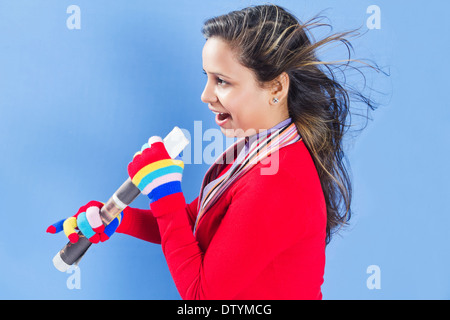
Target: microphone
{"x":175,"y":142}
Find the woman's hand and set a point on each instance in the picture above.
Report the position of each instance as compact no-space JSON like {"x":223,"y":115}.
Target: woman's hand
{"x":154,"y":172}
{"x":89,"y":222}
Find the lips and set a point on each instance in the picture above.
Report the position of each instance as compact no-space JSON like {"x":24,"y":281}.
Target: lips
{"x":221,"y":117}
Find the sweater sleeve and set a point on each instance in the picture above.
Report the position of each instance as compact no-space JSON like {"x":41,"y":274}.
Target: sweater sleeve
{"x":265,"y":217}
{"x":141,"y":224}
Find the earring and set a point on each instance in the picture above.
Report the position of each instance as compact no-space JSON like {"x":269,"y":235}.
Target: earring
{"x":275,"y":100}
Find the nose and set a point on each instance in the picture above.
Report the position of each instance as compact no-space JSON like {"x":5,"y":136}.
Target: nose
{"x":208,"y":94}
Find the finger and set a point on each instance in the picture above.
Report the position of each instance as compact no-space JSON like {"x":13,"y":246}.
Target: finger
{"x":153,"y":140}
{"x":56,"y":227}
{"x":136,"y":154}
{"x":93,"y":216}
{"x":154,"y":152}
{"x":112,"y":227}
{"x":144,"y":146}
{"x":148,"y":144}
{"x":93,"y":203}
{"x":86,"y":229}
{"x":69,"y":226}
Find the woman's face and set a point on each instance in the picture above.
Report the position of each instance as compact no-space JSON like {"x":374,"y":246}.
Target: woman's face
{"x":242,"y":108}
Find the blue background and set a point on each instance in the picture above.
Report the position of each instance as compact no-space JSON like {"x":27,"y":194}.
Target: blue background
{"x":76,"y":104}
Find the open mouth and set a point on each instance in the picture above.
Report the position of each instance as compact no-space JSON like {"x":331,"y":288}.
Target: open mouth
{"x":222,"y":118}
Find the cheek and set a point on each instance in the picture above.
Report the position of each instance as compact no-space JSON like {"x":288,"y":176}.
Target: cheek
{"x":251,"y":110}
{"x":227,"y":98}
{"x":238,"y":103}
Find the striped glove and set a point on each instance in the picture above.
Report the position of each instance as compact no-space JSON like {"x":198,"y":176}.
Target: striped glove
{"x":156,"y":174}
{"x":88,"y":221}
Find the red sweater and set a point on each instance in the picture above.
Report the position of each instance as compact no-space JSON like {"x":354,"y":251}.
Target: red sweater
{"x":263,"y":239}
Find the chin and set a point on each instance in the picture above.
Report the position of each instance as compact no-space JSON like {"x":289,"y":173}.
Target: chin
{"x":229,"y":133}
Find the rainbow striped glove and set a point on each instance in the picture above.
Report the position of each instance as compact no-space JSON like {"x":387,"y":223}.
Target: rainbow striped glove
{"x":89,"y":222}
{"x":156,"y":174}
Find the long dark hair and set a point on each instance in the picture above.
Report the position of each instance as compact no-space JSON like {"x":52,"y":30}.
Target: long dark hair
{"x":269,"y":40}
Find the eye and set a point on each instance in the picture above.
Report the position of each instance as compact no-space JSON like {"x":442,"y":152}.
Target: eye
{"x":221,"y":82}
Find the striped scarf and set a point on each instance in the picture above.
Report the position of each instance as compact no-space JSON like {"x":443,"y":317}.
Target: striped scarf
{"x":249,"y":150}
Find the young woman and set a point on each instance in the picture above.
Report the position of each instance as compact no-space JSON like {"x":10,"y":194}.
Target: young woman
{"x":269,"y":204}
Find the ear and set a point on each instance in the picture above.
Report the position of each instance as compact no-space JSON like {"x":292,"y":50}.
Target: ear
{"x":279,"y":89}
